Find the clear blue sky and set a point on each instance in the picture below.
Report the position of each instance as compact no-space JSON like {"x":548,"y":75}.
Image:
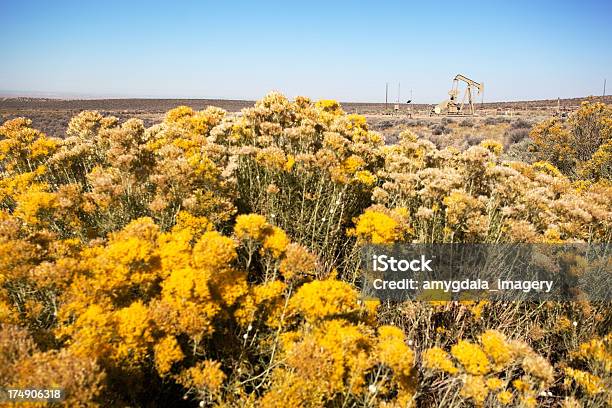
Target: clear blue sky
{"x":332,"y":49}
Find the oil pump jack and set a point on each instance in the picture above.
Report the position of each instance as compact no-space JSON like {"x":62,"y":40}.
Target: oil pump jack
{"x":450,"y":106}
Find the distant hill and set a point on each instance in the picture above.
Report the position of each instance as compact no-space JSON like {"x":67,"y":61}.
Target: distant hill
{"x":141,"y":105}
{"x":162,"y":105}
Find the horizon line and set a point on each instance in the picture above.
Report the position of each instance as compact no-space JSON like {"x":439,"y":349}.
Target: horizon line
{"x":75,"y":96}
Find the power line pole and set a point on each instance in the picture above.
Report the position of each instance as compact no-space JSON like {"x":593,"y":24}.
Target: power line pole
{"x":398,"y":92}
{"x":604,"y":92}
{"x":482,"y":98}
{"x":386,"y":94}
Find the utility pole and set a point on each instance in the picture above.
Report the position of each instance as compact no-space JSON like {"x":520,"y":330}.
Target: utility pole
{"x":386,"y":94}
{"x":604,"y":92}
{"x":410,"y":101}
{"x":398,"y":93}
{"x":482,"y":98}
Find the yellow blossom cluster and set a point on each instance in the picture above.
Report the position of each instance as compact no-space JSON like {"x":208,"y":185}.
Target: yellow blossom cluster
{"x":338,"y":355}
{"x":487,"y":369}
{"x":380,"y":226}
{"x":592,"y":361}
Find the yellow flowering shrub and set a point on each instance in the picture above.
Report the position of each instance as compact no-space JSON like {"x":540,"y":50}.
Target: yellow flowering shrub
{"x":337,"y":357}
{"x":23,"y":149}
{"x":580,"y":146}
{"x":25,"y":366}
{"x":597,"y":352}
{"x":591,"y":384}
{"x":308,"y":154}
{"x":105,"y":174}
{"x":598,"y":168}
{"x":487,"y":369}
{"x":476,"y":196}
{"x":492,"y":145}
{"x":591,"y":369}
{"x":393,"y":352}
{"x":555,"y":143}
{"x":212,"y":259}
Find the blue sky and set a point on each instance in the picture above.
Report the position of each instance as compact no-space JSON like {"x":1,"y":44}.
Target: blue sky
{"x":334,"y":49}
